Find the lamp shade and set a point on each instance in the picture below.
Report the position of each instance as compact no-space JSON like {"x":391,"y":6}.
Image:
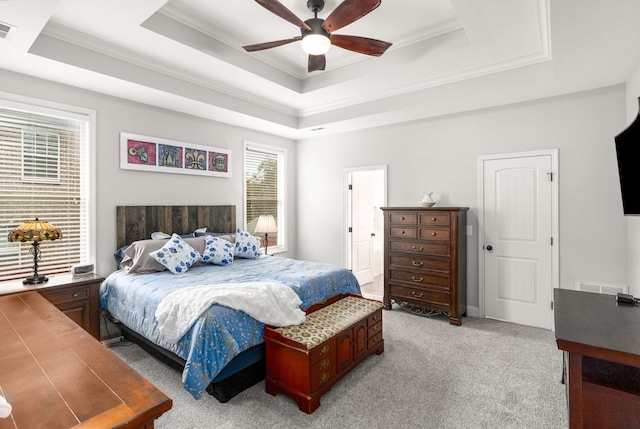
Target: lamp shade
{"x":266,"y":224}
{"x":316,"y":44}
{"x":35,"y":230}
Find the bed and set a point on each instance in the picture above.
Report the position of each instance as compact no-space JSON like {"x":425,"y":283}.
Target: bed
{"x":223,"y":352}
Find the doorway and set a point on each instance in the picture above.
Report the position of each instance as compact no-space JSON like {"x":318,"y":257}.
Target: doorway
{"x":365,"y":193}
{"x":518,"y":242}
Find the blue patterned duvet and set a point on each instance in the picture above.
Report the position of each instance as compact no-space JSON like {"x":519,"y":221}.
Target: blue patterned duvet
{"x":221,"y":332}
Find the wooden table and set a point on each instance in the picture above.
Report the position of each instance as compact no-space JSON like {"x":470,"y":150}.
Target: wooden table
{"x":601,"y":340}
{"x":56,"y":375}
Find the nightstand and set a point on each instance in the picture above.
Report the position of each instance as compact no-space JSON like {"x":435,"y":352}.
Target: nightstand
{"x":76,"y":296}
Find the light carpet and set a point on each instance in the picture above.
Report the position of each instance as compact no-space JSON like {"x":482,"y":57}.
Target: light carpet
{"x":483,"y":374}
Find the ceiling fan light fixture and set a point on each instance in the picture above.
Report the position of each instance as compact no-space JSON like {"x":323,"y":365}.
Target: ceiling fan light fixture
{"x":315,"y":44}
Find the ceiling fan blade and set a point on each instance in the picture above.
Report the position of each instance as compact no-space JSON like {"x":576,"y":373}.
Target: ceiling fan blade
{"x":269,"y":45}
{"x":317,"y":62}
{"x":347,"y":12}
{"x":277,"y":8}
{"x":363,"y":45}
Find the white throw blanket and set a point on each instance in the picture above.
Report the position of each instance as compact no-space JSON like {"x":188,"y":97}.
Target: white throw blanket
{"x":270,"y":303}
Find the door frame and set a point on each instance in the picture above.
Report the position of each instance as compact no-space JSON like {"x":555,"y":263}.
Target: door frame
{"x":555,"y":248}
{"x":346,"y":209}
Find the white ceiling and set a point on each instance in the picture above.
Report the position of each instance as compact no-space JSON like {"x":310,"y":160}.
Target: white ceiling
{"x":447,"y":56}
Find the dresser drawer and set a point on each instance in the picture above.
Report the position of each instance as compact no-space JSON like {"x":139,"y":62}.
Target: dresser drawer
{"x":403,"y":232}
{"x":439,"y":298}
{"x":325,"y":350}
{"x":375,"y":329}
{"x":374,"y":318}
{"x":403,"y":218}
{"x":322,"y":376}
{"x":421,"y":247}
{"x":439,"y":234}
{"x":373,"y":341}
{"x":61,"y":296}
{"x":419,"y":262}
{"x":420,"y":278}
{"x":438,"y":219}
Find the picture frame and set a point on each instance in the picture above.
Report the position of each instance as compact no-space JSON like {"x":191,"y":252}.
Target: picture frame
{"x":145,"y":153}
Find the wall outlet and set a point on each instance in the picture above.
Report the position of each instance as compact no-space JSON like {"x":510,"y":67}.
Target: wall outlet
{"x":469,"y":230}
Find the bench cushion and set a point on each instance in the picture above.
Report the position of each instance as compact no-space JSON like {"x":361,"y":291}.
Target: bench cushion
{"x":330,"y":320}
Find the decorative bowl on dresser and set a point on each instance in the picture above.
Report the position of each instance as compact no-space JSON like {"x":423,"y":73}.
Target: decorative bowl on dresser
{"x":425,"y":260}
{"x":76,"y":296}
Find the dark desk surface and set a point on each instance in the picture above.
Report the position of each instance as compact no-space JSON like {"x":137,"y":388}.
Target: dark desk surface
{"x":595,"y":325}
{"x":55,"y":375}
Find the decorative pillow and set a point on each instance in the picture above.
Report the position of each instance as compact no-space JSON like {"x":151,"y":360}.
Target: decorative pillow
{"x":119,"y":255}
{"x":138,"y":261}
{"x":247,"y":246}
{"x":217,"y":251}
{"x":159,"y":235}
{"x":176,"y":255}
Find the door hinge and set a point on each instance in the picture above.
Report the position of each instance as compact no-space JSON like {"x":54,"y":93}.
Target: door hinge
{"x":351,"y":187}
{"x":552,"y":305}
{"x":350,"y":229}
{"x":552,"y":241}
{"x":550,"y":176}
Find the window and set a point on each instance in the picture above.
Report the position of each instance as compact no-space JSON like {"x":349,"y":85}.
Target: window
{"x":44,"y":173}
{"x":264,"y":170}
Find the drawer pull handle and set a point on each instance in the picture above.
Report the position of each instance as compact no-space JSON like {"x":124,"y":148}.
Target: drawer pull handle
{"x":324,"y":377}
{"x":417,"y":264}
{"x":75,"y":295}
{"x":433,"y":234}
{"x":418,"y":249}
{"x":402,"y":232}
{"x":376,"y":338}
{"x":401,"y":217}
{"x":324,"y":350}
{"x":375,"y":328}
{"x":416,"y":295}
{"x":433,"y":219}
{"x":324,"y":364}
{"x":417,"y":280}
{"x":375,"y":318}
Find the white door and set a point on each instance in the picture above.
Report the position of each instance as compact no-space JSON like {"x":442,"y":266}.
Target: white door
{"x":518,"y":203}
{"x":362,"y":224}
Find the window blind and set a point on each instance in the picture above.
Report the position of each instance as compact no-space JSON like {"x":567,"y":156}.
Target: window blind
{"x":264,"y":189}
{"x":44,"y":174}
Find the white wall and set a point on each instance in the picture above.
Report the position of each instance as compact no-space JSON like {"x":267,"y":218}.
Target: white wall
{"x":441,"y":155}
{"x":126,"y":187}
{"x":633,"y":222}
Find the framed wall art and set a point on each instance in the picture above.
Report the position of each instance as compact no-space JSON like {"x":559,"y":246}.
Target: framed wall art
{"x":145,"y":153}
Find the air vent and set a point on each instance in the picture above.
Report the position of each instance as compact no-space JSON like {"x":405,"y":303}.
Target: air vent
{"x":596,"y":287}
{"x":4,"y":30}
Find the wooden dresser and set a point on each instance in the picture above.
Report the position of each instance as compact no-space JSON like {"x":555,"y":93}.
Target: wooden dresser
{"x":425,"y":260}
{"x":55,"y":375}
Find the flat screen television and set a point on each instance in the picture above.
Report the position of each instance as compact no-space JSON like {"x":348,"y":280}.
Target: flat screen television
{"x":628,"y":154}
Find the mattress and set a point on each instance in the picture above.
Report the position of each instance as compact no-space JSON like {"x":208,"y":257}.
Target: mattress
{"x":221,"y":333}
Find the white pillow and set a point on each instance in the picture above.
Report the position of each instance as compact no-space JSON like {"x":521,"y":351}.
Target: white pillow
{"x":176,"y":255}
{"x":159,"y":235}
{"x":247,"y":246}
{"x":217,"y":251}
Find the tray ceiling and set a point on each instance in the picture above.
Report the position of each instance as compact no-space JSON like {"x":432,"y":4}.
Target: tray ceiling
{"x":447,"y":56}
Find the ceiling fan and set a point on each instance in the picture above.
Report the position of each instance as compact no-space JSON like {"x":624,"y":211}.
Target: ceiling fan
{"x":317,"y":34}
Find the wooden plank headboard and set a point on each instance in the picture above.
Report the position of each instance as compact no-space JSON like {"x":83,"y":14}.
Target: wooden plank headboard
{"x":138,"y":222}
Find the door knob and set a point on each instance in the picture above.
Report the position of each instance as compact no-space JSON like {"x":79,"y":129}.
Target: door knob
{"x":489,"y":248}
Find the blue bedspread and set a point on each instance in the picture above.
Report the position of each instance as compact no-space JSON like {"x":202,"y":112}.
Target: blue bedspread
{"x":221,"y":333}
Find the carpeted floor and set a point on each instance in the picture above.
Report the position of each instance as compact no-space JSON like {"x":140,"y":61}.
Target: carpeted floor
{"x":484,"y":374}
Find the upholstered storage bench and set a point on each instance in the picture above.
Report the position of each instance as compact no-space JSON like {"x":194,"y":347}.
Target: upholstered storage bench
{"x":305,"y":361}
